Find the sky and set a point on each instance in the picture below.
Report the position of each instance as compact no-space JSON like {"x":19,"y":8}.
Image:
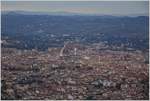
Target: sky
{"x":84,"y":7}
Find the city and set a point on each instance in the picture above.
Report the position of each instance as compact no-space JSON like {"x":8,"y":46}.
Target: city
{"x":92,"y":50}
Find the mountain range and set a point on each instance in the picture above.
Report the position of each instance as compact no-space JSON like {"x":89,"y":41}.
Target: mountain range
{"x":44,"y":30}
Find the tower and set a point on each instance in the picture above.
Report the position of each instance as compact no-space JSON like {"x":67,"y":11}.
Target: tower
{"x":75,"y":51}
{"x":99,"y":59}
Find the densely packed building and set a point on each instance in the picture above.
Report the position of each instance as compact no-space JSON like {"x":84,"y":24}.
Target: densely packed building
{"x":74,"y":72}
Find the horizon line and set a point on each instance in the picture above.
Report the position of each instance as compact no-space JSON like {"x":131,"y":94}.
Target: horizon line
{"x":72,"y":13}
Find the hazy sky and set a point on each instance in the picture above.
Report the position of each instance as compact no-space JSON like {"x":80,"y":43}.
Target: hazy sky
{"x":86,"y":7}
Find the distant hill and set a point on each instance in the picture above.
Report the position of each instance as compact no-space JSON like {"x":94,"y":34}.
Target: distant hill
{"x":63,"y":13}
{"x":42,"y":13}
{"x":43,"y":30}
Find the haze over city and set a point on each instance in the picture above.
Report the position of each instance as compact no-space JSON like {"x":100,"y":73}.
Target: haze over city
{"x":125,"y":8}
